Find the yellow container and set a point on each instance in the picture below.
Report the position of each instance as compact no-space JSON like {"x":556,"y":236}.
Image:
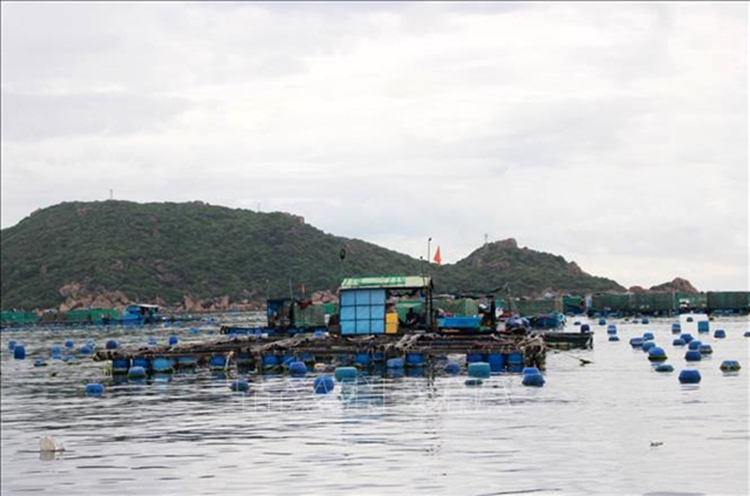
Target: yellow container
{"x":391,"y":323}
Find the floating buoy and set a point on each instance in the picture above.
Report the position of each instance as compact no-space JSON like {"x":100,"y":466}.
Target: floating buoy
{"x":239,"y":386}
{"x":611,"y":329}
{"x":676,"y":328}
{"x":530,"y":370}
{"x":730,"y":366}
{"x":602,"y":321}
{"x":453,"y":368}
{"x":345,"y":374}
{"x":473,"y":381}
{"x":706,"y":349}
{"x":141,"y":362}
{"x":689,"y":319}
{"x":657,"y":354}
{"x":173,"y":340}
{"x":719,"y":333}
{"x":648,"y":336}
{"x":19,"y":352}
{"x":690,"y":376}
{"x":111,"y":344}
{"x":297,"y":369}
{"x":56,"y":352}
{"x":687,"y":337}
{"x":479,"y":369}
{"x":648,"y":345}
{"x":703,"y":326}
{"x":644,"y":321}
{"x":636,"y":342}
{"x":664,"y":367}
{"x":323,"y":384}
{"x":270,"y":361}
{"x":693,"y":356}
{"x":747,"y":334}
{"x":585,"y":328}
{"x":137,"y":372}
{"x":694,"y":345}
{"x":678,"y":342}
{"x":577,"y":323}
{"x":12,"y":344}
{"x":94,"y":389}
{"x":535,"y":380}
{"x":394,"y":363}
{"x":318,"y":334}
{"x":40,"y":363}
{"x":85,"y":350}
{"x":69,"y":344}
{"x":119,"y":365}
{"x":614,"y":338}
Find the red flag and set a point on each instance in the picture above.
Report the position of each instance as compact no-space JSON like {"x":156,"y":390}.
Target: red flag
{"x":437,"y":258}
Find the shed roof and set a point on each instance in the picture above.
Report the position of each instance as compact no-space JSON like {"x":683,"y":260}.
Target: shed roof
{"x":387,"y":282}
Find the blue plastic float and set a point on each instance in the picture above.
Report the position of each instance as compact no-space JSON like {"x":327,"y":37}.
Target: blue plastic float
{"x":664,"y":367}
{"x":690,"y":376}
{"x":479,"y":369}
{"x":720,"y":333}
{"x":657,"y":354}
{"x":693,"y":356}
{"x":323,"y":384}
{"x":730,"y":366}
{"x":345,"y":374}
{"x":19,"y":352}
{"x":614,"y":338}
{"x":535,"y":380}
{"x":297,"y":369}
{"x":94,"y":389}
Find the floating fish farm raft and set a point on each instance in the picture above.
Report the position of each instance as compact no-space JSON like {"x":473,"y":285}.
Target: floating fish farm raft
{"x":509,"y":352}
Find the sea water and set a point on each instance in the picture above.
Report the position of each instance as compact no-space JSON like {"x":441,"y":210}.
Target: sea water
{"x":612,"y":426}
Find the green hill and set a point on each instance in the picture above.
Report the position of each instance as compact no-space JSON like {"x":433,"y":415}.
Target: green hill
{"x":167,"y":251}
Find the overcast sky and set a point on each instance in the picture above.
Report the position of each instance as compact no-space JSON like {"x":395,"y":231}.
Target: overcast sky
{"x":615,"y":135}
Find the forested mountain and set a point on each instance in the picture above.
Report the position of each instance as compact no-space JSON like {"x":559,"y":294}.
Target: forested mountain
{"x":120,"y":251}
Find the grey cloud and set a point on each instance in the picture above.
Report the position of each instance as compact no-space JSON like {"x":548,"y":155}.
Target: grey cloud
{"x":31,"y":117}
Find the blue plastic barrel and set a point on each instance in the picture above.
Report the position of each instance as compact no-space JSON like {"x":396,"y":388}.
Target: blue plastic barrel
{"x":496,"y":361}
{"x":648,"y":345}
{"x":530,"y":370}
{"x":161,"y":365}
{"x":703,"y":326}
{"x":378,"y":357}
{"x":747,"y":334}
{"x":611,"y":329}
{"x":362,"y":359}
{"x":515,"y":362}
{"x":287,"y":360}
{"x":706,"y":349}
{"x":678,"y":342}
{"x":693,"y":356}
{"x":602,"y":322}
{"x":12,"y":344}
{"x":689,"y":319}
{"x":297,"y":369}
{"x":687,"y":337}
{"x":69,"y":344}
{"x":270,"y":361}
{"x":453,"y":368}
{"x":414,"y":360}
{"x":137,"y":372}
{"x":648,"y":336}
{"x":345,"y":374}
{"x":720,"y":333}
{"x":318,"y":334}
{"x":657,"y":354}
{"x":690,"y":376}
{"x":664,"y":367}
{"x":636,"y":342}
{"x":479,"y":369}
{"x":239,"y":386}
{"x":217,"y":362}
{"x":474,"y":357}
{"x":676,"y":328}
{"x":323,"y":384}
{"x":585,"y":328}
{"x":94,"y":389}
{"x":730,"y":366}
{"x":694,"y":345}
{"x":395,"y":363}
{"x":84,"y":350}
{"x":644,"y":321}
{"x":111,"y":344}
{"x":19,"y":352}
{"x":187,"y":362}
{"x":56,"y":352}
{"x":120,"y":365}
{"x":173,"y":340}
{"x":141,"y":362}
{"x":614,"y":338}
{"x":534,"y":380}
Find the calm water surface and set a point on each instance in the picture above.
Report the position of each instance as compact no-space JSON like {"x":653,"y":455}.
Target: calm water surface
{"x":588,"y":430}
